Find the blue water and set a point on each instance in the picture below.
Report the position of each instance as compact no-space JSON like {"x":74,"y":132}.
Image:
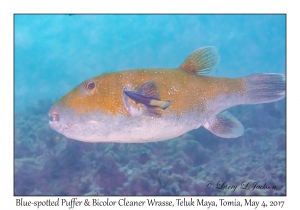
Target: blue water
{"x":54,"y":53}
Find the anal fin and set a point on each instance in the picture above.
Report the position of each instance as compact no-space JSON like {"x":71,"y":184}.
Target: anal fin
{"x":224,"y":125}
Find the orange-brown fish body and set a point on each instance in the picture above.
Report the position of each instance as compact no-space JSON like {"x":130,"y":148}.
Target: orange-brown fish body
{"x":102,"y":110}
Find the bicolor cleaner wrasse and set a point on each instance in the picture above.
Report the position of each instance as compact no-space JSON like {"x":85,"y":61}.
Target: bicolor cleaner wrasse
{"x":147,"y":105}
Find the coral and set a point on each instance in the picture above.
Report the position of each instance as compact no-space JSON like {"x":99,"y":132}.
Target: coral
{"x":47,"y":163}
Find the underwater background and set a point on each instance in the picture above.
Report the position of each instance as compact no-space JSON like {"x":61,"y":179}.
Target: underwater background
{"x":54,"y":53}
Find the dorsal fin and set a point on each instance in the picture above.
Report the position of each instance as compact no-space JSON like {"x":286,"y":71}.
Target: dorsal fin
{"x":201,"y":61}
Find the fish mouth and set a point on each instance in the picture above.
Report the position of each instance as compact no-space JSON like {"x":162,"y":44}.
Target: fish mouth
{"x":55,"y":117}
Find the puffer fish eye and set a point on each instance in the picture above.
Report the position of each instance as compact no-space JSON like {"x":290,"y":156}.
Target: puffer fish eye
{"x":89,"y":85}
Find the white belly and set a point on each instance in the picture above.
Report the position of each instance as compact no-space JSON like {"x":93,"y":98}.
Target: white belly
{"x":137,"y":129}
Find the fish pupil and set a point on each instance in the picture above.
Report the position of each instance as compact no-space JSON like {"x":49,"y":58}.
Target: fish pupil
{"x":91,"y":86}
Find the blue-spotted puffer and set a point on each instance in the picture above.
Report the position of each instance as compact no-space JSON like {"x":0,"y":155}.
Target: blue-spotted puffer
{"x":146,"y":105}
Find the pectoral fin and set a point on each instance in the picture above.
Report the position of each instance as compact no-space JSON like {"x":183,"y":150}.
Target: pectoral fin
{"x":224,"y":125}
{"x":147,"y":94}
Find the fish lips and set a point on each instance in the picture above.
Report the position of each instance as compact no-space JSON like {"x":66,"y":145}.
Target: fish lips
{"x":55,"y":117}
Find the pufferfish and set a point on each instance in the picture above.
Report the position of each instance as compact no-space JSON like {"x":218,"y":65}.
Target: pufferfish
{"x":148,"y":105}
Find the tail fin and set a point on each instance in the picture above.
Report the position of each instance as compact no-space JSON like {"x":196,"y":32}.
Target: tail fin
{"x":264,"y":88}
